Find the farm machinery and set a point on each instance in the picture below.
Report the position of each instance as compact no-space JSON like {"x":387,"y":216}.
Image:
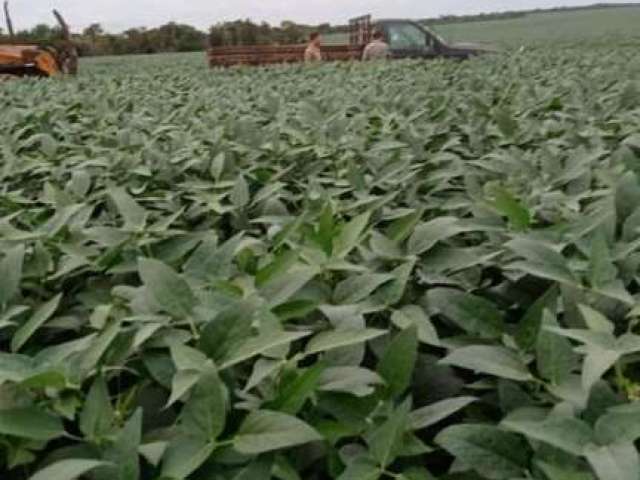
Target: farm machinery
{"x":25,"y":59}
{"x":406,"y":38}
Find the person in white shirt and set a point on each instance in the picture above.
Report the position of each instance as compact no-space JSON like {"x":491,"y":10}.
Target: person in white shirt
{"x":313,"y":53}
{"x":377,"y":49}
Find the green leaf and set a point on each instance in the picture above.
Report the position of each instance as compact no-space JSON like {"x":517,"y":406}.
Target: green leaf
{"x":153,"y":452}
{"x":415,"y":315}
{"x":614,"y":462}
{"x":358,"y":287}
{"x":413,"y":446}
{"x":431,"y":414}
{"x":473,"y":314}
{"x":240,"y":196}
{"x":97,"y":416}
{"x":123,"y":454}
{"x":497,"y":361}
{"x":187,"y":358}
{"x":7,"y":318}
{"x":554,"y":353}
{"x":263,"y":369}
{"x":182,"y":382}
{"x":542,"y":261}
{"x":596,"y":321}
{"x":90,"y":357}
{"x":403,"y":227}
{"x":529,"y":327}
{"x":15,"y":367}
{"x":426,"y":235}
{"x":393,"y":292}
{"x":416,"y":473}
{"x":39,"y":317}
{"x":204,"y":414}
{"x":490,"y":451}
{"x":46,"y":379}
{"x":292,"y":397}
{"x":506,"y":121}
{"x":384,"y":247}
{"x":265,"y":431}
{"x":10,"y":274}
{"x":259,"y":469}
{"x":284,"y":469}
{"x":361,"y":469}
{"x":349,"y":236}
{"x":278,"y":267}
{"x":135,"y":217}
{"x":352,"y":380}
{"x":184,"y":455}
{"x":596,"y":363}
{"x":227,"y":331}
{"x":167,"y":288}
{"x":385,"y":442}
{"x":48,"y":145}
{"x":564,"y":472}
{"x":30,"y":423}
{"x":213,"y":261}
{"x":518,"y":215}
{"x":281,"y":289}
{"x":601,"y":340}
{"x":619,"y":425}
{"x":566,"y":433}
{"x":67,"y":469}
{"x":80,"y":183}
{"x":398,"y":362}
{"x":260,"y":344}
{"x":602,"y":271}
{"x":345,"y":337}
{"x":61,"y":219}
{"x":548,"y":271}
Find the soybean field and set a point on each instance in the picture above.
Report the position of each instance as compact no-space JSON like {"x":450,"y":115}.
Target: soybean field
{"x":606,"y":25}
{"x":406,"y":270}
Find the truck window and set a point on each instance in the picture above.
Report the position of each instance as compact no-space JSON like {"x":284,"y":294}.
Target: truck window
{"x":405,"y":36}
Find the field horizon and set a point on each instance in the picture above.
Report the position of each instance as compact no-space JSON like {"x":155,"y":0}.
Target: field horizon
{"x":549,"y":27}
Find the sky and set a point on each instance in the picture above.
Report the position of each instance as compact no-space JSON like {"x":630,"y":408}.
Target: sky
{"x":118,"y":15}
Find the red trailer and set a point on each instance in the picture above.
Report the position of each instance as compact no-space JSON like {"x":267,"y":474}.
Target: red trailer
{"x":359,"y":36}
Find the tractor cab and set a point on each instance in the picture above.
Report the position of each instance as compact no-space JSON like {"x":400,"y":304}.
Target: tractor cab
{"x":22,"y":59}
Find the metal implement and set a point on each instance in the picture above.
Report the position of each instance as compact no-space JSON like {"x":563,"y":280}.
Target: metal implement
{"x":23,"y":59}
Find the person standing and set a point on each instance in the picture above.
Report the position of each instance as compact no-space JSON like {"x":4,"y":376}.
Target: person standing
{"x":377,"y":49}
{"x":313,"y":53}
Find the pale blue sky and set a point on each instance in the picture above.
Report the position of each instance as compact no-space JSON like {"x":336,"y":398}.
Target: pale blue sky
{"x":117,"y":15}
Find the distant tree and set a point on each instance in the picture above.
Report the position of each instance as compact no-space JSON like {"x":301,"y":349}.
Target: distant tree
{"x":93,"y":31}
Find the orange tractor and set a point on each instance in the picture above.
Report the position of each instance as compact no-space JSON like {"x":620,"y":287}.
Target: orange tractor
{"x":20,"y":59}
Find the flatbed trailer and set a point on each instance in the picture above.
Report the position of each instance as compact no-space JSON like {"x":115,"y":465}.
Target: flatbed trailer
{"x":274,"y":54}
{"x":406,"y":38}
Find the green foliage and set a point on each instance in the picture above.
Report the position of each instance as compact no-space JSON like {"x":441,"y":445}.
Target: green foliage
{"x":350,"y":272}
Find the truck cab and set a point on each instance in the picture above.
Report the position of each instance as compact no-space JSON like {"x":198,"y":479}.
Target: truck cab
{"x":409,"y":39}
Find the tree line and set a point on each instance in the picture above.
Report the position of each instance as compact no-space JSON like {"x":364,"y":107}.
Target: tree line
{"x":176,"y":37}
{"x":171,"y":37}
{"x":94,"y":40}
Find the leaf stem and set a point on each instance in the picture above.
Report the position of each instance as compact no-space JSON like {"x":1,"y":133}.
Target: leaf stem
{"x":621,"y":380}
{"x":194,"y":328}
